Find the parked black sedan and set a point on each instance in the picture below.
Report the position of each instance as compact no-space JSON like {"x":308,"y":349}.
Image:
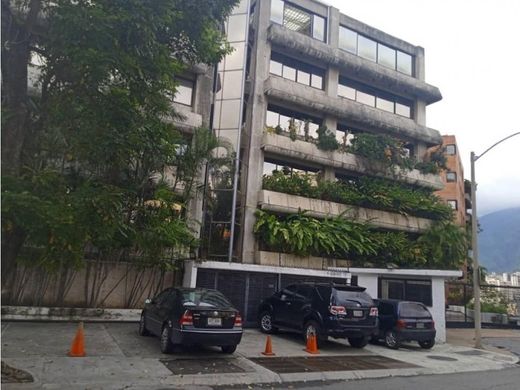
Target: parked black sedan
{"x":192,"y":316}
{"x":405,"y":321}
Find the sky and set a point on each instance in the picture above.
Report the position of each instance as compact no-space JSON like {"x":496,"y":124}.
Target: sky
{"x":472,"y":55}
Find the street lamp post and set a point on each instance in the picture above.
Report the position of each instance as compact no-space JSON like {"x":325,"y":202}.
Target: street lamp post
{"x":474,"y":242}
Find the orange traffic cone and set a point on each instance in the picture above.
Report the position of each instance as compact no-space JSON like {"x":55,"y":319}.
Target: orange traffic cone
{"x":77,"y":348}
{"x":312,"y":345}
{"x":268,"y":347}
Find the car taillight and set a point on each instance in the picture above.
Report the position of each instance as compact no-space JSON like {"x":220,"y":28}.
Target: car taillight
{"x":335,"y":310}
{"x":433,"y":324}
{"x":186,"y":319}
{"x":374,"y":312}
{"x":401,"y":324}
{"x":238,"y":320}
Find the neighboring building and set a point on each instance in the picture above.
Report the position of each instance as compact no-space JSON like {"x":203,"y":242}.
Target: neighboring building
{"x":305,"y":62}
{"x":453,"y":179}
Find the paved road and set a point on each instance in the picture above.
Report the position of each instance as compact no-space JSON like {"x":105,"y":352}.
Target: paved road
{"x":509,"y":343}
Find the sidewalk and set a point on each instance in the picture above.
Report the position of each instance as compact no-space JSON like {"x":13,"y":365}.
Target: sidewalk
{"x":117,"y":358}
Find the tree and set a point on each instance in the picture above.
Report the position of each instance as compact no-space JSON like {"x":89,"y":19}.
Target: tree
{"x":79,"y":159}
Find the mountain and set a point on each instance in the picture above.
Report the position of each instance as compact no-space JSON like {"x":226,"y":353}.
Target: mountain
{"x":499,"y":241}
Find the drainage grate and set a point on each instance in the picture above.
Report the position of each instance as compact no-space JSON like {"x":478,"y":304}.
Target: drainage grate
{"x":284,"y":365}
{"x":202,"y":366}
{"x":443,"y":358}
{"x":472,"y":352}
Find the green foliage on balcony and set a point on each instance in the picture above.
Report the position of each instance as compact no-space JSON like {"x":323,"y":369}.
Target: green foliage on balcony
{"x":338,"y":237}
{"x":365,"y":191}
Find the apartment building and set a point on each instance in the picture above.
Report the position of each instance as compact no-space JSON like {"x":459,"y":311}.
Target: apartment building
{"x":454,"y":192}
{"x":298,"y":66}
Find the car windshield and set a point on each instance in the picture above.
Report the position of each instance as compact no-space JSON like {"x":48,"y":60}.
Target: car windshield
{"x":410,"y":309}
{"x":207,"y":298}
{"x":344,"y":297}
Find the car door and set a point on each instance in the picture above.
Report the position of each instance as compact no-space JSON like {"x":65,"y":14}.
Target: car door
{"x":283,"y":306}
{"x":153,"y":312}
{"x":298,"y":306}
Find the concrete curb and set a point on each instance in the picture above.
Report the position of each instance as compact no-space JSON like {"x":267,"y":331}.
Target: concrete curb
{"x":64,"y":314}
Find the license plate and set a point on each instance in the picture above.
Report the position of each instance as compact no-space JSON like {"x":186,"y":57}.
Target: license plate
{"x":420,"y":325}
{"x":214,"y":321}
{"x":358,"y":313}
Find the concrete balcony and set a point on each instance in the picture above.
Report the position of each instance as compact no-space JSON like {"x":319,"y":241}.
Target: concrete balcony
{"x":357,"y":114}
{"x":290,"y":204}
{"x":188,"y":120}
{"x":301,"y":151}
{"x":359,"y":68}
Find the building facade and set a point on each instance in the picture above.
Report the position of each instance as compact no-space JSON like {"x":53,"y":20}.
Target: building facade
{"x":298,"y":67}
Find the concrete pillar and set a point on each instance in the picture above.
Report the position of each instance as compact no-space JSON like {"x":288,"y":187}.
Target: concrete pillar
{"x":420,"y":72}
{"x":256,"y":110}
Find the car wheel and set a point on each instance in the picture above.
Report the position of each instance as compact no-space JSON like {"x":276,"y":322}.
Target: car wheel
{"x":358,"y":342}
{"x":427,"y":344}
{"x":266,"y":323}
{"x":228,"y":348}
{"x":312,"y":327}
{"x":165,"y":340}
{"x":391,"y":340}
{"x":142,"y":326}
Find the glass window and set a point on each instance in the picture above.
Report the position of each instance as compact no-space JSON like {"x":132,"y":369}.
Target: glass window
{"x":275,"y":68}
{"x":415,"y":310}
{"x":232,"y":84}
{"x":184,"y":94}
{"x":289,"y":73}
{"x":451,"y":177}
{"x":277,"y":11}
{"x":318,"y":27}
{"x":284,"y":121}
{"x":317,"y":81}
{"x":386,"y":56}
{"x":385,"y":105}
{"x":347,"y":39}
{"x":236,"y":28}
{"x":235,"y":60}
{"x":408,"y":290}
{"x":451,"y":150}
{"x":304,"y":77}
{"x":403,"y":110}
{"x":452,"y":204}
{"x":297,"y":20}
{"x":404,"y":63}
{"x":206,"y":298}
{"x":367,"y":48}
{"x":346,"y":92}
{"x":365,"y":98}
{"x":272,"y":119}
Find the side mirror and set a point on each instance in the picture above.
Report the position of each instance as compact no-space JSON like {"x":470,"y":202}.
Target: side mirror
{"x":147,"y":301}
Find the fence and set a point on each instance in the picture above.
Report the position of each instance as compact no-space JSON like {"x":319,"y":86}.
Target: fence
{"x":500,"y":306}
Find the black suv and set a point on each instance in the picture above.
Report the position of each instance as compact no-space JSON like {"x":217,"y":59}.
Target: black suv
{"x":323,"y":309}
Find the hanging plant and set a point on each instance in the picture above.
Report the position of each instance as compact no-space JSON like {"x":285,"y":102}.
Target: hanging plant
{"x":306,"y":130}
{"x":326,"y":139}
{"x":293,"y":135}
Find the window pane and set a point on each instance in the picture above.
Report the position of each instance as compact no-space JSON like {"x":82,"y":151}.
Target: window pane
{"x":284,"y":121}
{"x":318,"y":28}
{"x":384,"y":104}
{"x":317,"y":81}
{"x":346,"y":92}
{"x":275,"y":68}
{"x":404,"y":63}
{"x":232,"y":84}
{"x":277,"y":11}
{"x":236,"y":28}
{"x":386,"y":56}
{"x":450,"y":149}
{"x":297,"y":20}
{"x":403,"y":110}
{"x":184,"y":93}
{"x":347,"y":39}
{"x":453,"y":204}
{"x":271,"y":119}
{"x":304,"y":77}
{"x":235,"y":60}
{"x":365,"y":98}
{"x":289,"y":73}
{"x":451,"y":176}
{"x":367,"y":48}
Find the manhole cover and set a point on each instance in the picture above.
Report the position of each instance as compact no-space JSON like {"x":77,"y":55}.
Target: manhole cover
{"x":284,"y":365}
{"x":444,"y":358}
{"x":472,"y":352}
{"x":202,"y":366}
